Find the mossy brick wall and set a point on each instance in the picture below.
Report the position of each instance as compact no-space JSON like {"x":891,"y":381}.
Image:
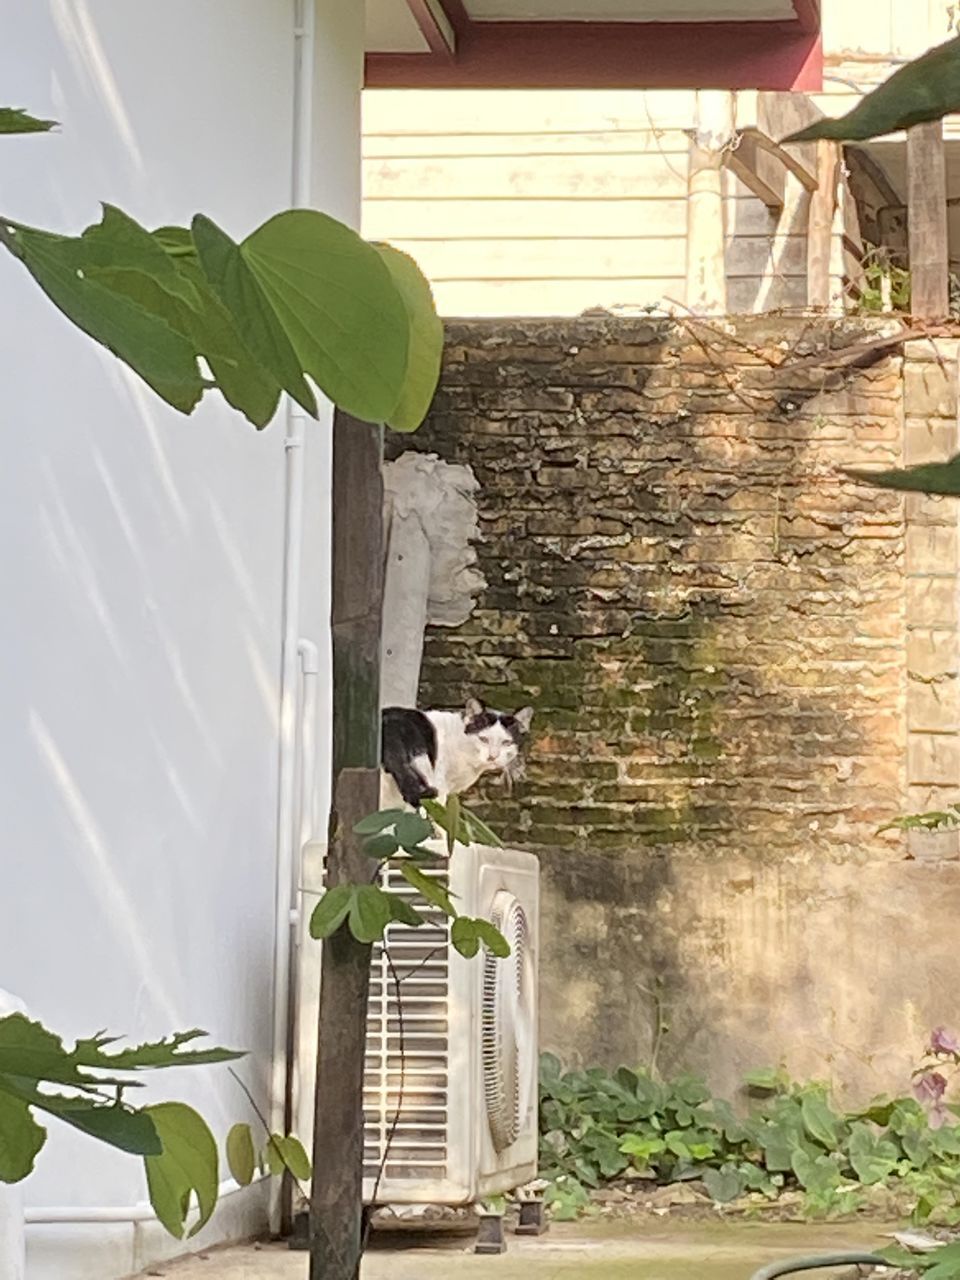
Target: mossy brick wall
{"x":711,"y":624}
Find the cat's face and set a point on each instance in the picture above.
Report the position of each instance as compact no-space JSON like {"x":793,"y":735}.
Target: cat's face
{"x":496,"y":735}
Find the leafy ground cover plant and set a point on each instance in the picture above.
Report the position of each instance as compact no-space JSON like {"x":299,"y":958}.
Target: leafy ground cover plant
{"x":599,"y":1128}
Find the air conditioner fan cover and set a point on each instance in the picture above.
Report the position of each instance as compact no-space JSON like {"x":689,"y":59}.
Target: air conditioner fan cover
{"x":508,"y":1033}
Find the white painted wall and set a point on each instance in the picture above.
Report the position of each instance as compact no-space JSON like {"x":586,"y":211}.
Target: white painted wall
{"x":141,"y":574}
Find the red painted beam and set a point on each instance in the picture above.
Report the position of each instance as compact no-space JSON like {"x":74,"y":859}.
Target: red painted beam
{"x":808,"y":15}
{"x":457,"y":14}
{"x":613,"y":55}
{"x":430,"y":28}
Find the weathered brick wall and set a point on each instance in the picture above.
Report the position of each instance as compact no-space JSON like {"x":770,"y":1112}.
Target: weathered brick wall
{"x":710,"y":622}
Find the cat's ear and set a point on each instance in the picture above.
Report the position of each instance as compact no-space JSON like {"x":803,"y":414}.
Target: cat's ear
{"x":473,"y":708}
{"x":523,"y":718}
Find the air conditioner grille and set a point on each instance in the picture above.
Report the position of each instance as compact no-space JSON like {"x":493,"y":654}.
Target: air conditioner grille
{"x":506,"y":1019}
{"x":418,"y":1150}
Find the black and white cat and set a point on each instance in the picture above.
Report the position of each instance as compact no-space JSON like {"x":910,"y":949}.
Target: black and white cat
{"x":428,"y":754}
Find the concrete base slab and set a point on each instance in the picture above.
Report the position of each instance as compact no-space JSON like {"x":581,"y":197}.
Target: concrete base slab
{"x":654,"y":1250}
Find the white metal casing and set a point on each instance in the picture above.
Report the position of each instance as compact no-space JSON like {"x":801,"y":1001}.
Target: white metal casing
{"x":445,"y":1149}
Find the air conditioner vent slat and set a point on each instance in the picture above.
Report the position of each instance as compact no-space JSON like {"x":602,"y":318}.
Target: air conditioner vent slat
{"x":465,"y":1085}
{"x":420,"y":960}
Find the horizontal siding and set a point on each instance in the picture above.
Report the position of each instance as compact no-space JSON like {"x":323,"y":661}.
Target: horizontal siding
{"x":455,"y":218}
{"x":566,"y":297}
{"x":551,"y":203}
{"x":548,"y":258}
{"x":886,"y":28}
{"x":479,"y":177}
{"x":506,"y":111}
{"x":458,"y":218}
{"x":618,"y":142}
{"x":563,"y":297}
{"x":657,"y":257}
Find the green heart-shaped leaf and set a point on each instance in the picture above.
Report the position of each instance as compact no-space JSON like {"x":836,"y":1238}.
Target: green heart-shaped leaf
{"x":20,"y":1138}
{"x":429,"y":887}
{"x":370,"y":913}
{"x":375,"y":822}
{"x":238,"y":288}
{"x":926,"y":477}
{"x":464,"y":936}
{"x":403,"y":912}
{"x":927,"y":88}
{"x":117,"y":308}
{"x":241,"y":1156}
{"x":426,"y":340}
{"x":331,"y":911}
{"x":492,"y":938}
{"x":188,"y":1166}
{"x":338,"y":306}
{"x":16,"y":120}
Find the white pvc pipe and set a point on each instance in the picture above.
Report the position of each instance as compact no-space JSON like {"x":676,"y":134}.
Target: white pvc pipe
{"x":309,"y":792}
{"x":13,"y":1259}
{"x":287,"y":769}
{"x":304,"y":39}
{"x":309,"y":819}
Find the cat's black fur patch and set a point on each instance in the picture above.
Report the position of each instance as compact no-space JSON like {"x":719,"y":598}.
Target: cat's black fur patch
{"x":405,"y":735}
{"x":487,"y":719}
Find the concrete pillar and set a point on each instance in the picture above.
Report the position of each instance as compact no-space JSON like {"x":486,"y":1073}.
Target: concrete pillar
{"x":406,"y":594}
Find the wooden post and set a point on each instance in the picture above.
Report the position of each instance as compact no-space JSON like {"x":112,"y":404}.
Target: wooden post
{"x":336,"y":1200}
{"x":823,"y":205}
{"x":927,"y":221}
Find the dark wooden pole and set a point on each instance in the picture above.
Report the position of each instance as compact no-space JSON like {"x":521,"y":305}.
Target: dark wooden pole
{"x":927,"y":221}
{"x":336,"y":1200}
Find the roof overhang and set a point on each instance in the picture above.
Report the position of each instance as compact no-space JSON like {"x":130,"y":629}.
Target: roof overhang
{"x":628,"y":44}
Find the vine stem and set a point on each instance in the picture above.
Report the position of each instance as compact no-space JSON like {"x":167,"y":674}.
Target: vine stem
{"x":270,"y":1137}
{"x":395,"y":1122}
{"x":661,"y":1028}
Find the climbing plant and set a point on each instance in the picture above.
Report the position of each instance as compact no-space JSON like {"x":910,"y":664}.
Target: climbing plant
{"x":395,"y":837}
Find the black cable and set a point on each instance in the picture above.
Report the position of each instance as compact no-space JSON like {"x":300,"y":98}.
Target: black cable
{"x":395,"y":1122}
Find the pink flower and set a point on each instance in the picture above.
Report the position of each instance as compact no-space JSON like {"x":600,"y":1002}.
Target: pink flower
{"x":930,"y":1088}
{"x":944,"y":1041}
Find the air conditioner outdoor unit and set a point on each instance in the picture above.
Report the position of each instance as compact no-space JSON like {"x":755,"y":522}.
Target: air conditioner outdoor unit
{"x":467,"y":1125}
